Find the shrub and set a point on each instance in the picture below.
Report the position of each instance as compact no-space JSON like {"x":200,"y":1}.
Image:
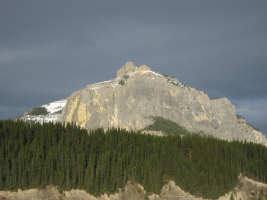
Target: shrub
{"x":38,"y":111}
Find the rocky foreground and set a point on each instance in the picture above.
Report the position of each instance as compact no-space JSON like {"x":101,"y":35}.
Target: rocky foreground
{"x":246,"y":190}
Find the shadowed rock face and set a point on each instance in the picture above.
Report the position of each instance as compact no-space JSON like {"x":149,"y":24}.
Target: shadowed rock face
{"x":138,"y":93}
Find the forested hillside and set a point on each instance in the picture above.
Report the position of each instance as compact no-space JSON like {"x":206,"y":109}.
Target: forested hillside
{"x":35,"y":155}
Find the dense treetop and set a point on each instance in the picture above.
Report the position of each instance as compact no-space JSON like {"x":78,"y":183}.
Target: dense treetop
{"x":34,"y":155}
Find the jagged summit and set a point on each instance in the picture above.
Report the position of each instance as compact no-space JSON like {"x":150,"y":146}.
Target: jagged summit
{"x":129,"y":68}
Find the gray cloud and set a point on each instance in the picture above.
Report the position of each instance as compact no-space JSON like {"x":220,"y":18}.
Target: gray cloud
{"x":50,"y":49}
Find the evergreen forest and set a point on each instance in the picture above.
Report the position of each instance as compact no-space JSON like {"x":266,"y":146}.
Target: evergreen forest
{"x":34,"y":155}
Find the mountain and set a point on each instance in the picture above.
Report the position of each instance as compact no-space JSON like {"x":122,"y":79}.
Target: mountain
{"x":67,"y":157}
{"x":138,"y":94}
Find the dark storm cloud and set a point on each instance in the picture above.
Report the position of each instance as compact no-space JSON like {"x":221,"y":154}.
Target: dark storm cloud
{"x":49,"y":49}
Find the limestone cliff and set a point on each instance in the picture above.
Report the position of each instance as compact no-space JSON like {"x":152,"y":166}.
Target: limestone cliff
{"x":138,"y":93}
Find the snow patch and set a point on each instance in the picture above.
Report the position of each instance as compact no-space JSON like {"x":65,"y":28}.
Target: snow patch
{"x":144,"y":72}
{"x":111,"y":83}
{"x":55,"y":106}
{"x":54,"y":110}
{"x":150,"y":72}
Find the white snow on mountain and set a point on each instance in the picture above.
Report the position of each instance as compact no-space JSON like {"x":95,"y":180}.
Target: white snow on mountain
{"x":53,"y":111}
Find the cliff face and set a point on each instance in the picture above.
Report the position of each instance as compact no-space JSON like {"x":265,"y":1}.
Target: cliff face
{"x":130,"y":100}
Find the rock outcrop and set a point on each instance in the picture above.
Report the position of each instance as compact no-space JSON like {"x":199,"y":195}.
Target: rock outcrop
{"x":130,"y":100}
{"x":246,"y":190}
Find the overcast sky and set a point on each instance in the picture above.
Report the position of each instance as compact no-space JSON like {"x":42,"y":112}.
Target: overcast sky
{"x":51,"y":48}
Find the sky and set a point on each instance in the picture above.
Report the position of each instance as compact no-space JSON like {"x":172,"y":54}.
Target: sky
{"x":51,"y":48}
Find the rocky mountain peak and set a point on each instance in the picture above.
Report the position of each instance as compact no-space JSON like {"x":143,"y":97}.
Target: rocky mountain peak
{"x":138,"y":94}
{"x":143,"y":68}
{"x":129,"y":68}
{"x":126,"y":69}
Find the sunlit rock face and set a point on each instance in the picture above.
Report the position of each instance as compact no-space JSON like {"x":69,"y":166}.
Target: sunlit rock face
{"x":138,"y":93}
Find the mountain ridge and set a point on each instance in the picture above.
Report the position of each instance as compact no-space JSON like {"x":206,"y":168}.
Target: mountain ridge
{"x":137,"y":94}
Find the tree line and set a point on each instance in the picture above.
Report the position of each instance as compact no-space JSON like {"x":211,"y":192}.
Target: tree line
{"x":34,"y":155}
